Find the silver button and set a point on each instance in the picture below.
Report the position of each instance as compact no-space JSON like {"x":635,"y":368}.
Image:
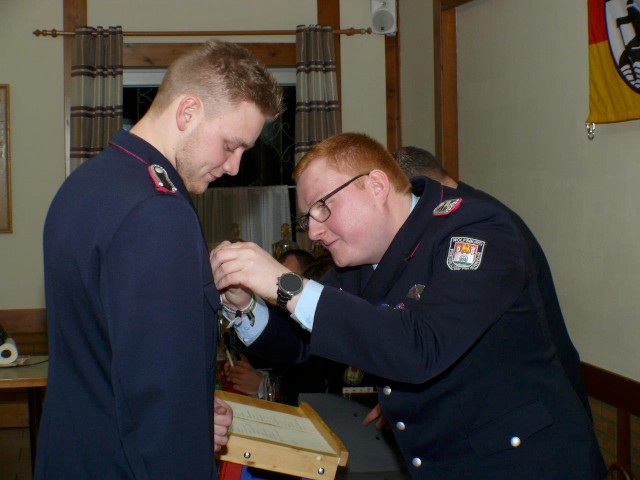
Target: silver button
{"x":515,"y":442}
{"x":416,"y":462}
{"x":400,"y":426}
{"x":386,"y":390}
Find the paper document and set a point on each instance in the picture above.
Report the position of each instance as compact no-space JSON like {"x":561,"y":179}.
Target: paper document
{"x":277,"y":427}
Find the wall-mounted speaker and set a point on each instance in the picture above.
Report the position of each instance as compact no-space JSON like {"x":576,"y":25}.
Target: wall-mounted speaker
{"x":383,"y":17}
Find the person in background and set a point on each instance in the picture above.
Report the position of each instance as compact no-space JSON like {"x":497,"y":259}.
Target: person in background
{"x":296,"y":260}
{"x":433,"y":293}
{"x":306,"y":376}
{"x":339,"y":378}
{"x":131,"y":303}
{"x":316,"y":374}
{"x":285,"y":243}
{"x":416,"y":162}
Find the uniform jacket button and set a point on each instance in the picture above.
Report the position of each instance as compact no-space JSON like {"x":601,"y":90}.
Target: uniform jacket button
{"x":515,"y":442}
{"x":400,"y":426}
{"x":416,"y":462}
{"x":386,"y":390}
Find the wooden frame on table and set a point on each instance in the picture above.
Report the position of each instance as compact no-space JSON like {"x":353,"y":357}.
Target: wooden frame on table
{"x":5,"y":170}
{"x":259,"y":438}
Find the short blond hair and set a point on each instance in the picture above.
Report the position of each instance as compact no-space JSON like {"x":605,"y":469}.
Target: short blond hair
{"x":220,"y":74}
{"x":355,"y":153}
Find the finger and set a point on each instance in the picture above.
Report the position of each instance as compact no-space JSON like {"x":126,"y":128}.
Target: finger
{"x":227,"y":410}
{"x":240,"y":369}
{"x":219,"y":442}
{"x":213,"y":255}
{"x":221,"y":246}
{"x":372,"y":415}
{"x":240,"y":388}
{"x":368,"y":419}
{"x":230,"y":274}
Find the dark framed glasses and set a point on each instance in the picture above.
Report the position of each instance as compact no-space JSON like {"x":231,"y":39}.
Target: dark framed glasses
{"x":319,"y":211}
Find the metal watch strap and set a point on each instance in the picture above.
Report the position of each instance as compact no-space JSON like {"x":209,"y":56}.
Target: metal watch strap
{"x":283,"y":298}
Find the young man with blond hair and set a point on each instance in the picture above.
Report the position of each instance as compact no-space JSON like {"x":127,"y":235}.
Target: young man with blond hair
{"x":131,"y":302}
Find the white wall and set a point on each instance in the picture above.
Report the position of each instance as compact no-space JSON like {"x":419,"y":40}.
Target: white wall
{"x":523,"y":100}
{"x":34,"y":69}
{"x":416,"y":72}
{"x":363,"y":74}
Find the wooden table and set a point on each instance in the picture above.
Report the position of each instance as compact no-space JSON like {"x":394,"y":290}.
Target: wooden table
{"x":32,"y":376}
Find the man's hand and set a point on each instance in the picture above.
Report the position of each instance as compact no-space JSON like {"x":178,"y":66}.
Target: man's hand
{"x":222,"y":418}
{"x":235,"y":296}
{"x":376,"y":415}
{"x":243,"y":376}
{"x":245,"y":264}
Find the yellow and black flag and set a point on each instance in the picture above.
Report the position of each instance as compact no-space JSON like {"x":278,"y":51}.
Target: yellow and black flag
{"x":614,"y":60}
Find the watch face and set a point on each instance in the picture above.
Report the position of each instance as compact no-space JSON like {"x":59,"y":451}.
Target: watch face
{"x":290,"y":282}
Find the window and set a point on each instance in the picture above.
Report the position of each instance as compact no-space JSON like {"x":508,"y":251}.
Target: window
{"x":270,"y":162}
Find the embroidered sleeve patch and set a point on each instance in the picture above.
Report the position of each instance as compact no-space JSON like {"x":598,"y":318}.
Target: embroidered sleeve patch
{"x":446,"y":207}
{"x":465,"y":253}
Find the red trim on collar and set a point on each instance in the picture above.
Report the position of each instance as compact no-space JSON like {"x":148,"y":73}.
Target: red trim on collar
{"x":410,"y":256}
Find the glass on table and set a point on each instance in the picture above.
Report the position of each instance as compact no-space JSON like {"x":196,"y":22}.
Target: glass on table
{"x":273,"y":388}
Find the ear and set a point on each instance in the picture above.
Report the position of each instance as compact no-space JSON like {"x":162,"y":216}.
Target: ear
{"x":188,"y":113}
{"x":380,"y":185}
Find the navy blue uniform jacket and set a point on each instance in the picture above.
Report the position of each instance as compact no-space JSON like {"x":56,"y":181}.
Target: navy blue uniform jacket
{"x":132,"y":327}
{"x":470,"y":380}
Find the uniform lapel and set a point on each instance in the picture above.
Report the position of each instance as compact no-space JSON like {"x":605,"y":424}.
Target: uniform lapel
{"x":405,"y":243}
{"x":366,"y":272}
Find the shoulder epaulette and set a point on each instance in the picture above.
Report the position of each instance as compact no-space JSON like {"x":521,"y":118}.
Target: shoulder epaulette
{"x":446,"y":207}
{"x":161,"y":179}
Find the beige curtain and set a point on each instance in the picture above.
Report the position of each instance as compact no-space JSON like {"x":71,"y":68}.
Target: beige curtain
{"x":317,"y":110}
{"x":259,"y":212}
{"x":96,"y":91}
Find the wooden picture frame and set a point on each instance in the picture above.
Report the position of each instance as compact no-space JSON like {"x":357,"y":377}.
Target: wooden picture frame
{"x":5,"y":166}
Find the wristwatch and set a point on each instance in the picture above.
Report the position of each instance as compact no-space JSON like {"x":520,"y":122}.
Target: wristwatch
{"x":289,"y":284}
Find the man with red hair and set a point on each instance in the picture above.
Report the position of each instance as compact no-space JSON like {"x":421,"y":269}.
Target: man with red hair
{"x":433,"y":295}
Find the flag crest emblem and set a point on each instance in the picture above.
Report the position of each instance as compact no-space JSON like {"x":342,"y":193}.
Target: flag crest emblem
{"x":465,"y":253}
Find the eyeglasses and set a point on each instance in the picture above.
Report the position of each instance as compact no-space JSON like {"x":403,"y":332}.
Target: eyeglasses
{"x":319,"y":210}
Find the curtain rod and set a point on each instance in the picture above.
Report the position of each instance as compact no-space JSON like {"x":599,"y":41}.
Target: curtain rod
{"x":61,"y":33}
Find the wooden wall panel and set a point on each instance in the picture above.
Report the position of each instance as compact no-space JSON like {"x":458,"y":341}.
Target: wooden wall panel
{"x":446,"y":87}
{"x":392,"y":73}
{"x":622,"y":393}
{"x":28,"y":327}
